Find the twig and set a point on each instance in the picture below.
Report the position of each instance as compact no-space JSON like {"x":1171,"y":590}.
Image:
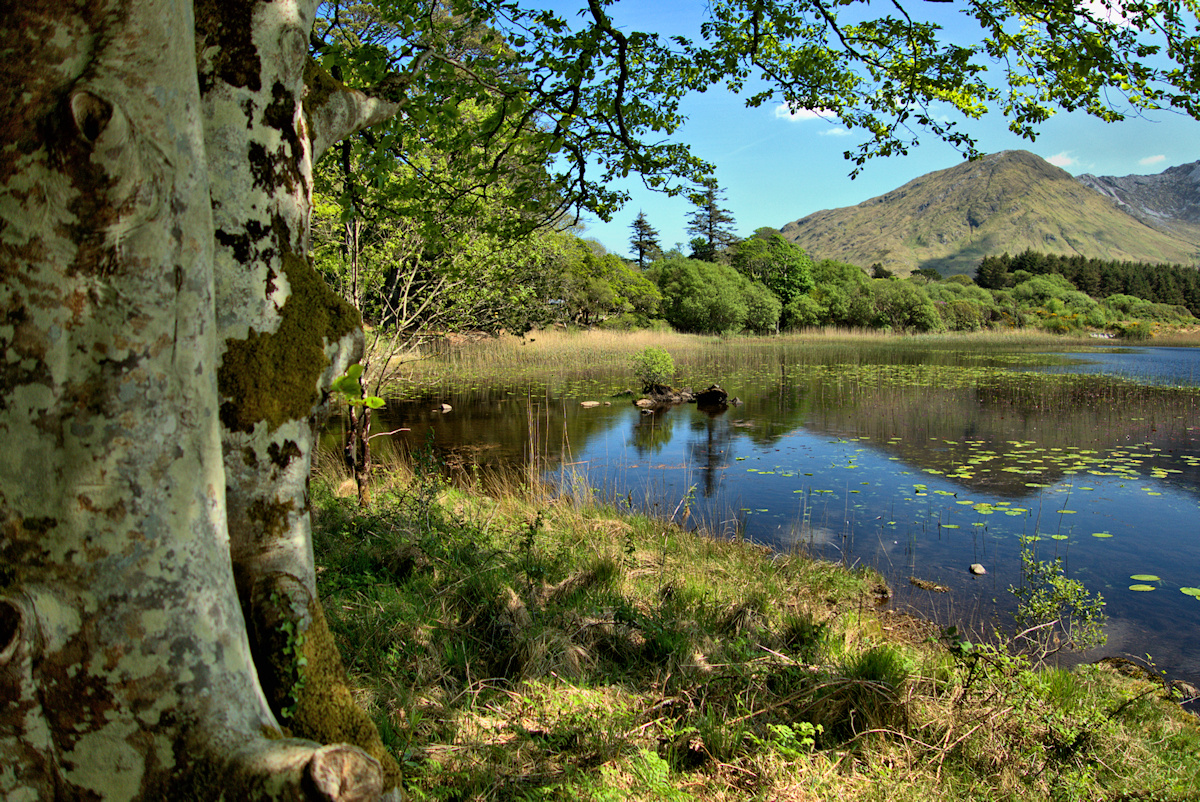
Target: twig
{"x":393,"y":431}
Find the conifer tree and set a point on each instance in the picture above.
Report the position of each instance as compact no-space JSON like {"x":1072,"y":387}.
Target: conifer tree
{"x":711,"y":226}
{"x":644,"y":241}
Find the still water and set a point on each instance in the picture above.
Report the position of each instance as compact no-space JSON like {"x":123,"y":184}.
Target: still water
{"x":916,"y":462}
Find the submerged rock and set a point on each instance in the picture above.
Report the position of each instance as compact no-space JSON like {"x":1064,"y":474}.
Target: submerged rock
{"x":925,"y":584}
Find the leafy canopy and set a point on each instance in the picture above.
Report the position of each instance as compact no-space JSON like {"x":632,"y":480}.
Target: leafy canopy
{"x":782,"y":266}
{"x":562,"y":105}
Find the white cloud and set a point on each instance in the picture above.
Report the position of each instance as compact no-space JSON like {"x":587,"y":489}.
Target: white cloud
{"x":784,"y":112}
{"x":1151,"y":160}
{"x":839,"y":131}
{"x":1064,"y":159}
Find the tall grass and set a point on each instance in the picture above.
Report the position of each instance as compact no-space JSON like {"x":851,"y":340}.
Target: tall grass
{"x":555,"y":353}
{"x":1178,"y":338}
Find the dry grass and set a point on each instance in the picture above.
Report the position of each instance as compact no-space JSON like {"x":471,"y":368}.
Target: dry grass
{"x":545,"y":352}
{"x":1189,"y":338}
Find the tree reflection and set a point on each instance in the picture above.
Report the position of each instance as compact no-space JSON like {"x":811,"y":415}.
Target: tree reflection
{"x":651,"y":431}
{"x":711,"y":452}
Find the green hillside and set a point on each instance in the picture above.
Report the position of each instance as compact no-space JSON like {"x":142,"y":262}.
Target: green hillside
{"x":1006,"y":202}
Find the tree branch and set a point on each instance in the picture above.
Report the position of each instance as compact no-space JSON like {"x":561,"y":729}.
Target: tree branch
{"x":336,"y":111}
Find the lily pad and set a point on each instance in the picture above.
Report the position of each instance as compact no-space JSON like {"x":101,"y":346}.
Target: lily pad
{"x":1146,"y":578}
{"x":1101,"y":534}
{"x":1193,"y":592}
{"x":1141,"y":588}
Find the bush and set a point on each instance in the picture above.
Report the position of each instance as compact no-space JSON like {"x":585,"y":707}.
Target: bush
{"x":1058,"y":612}
{"x":1060,"y":324}
{"x":904,"y":306}
{"x":1136,"y":330}
{"x":963,"y":315}
{"x":699,"y":296}
{"x":653,"y":366}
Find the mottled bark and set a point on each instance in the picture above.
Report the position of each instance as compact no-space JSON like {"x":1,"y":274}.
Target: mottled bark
{"x":285,"y":336}
{"x":336,"y":111}
{"x":153,"y":239}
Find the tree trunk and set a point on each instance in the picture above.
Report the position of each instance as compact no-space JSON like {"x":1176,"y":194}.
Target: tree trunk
{"x":358,"y":451}
{"x":166,"y":350}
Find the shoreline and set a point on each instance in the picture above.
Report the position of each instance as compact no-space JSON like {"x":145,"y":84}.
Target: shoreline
{"x":501,"y":635}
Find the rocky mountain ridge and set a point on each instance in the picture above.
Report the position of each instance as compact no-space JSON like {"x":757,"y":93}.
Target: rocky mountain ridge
{"x":1169,"y":200}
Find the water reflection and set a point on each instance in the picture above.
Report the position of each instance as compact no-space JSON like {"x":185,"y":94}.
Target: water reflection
{"x":1151,"y":365}
{"x":918,"y":464}
{"x":652,"y":430}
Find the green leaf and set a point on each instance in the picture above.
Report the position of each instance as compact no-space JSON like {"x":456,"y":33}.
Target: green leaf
{"x":347,"y":387}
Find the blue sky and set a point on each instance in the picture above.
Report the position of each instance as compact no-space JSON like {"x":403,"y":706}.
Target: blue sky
{"x":775,"y":169}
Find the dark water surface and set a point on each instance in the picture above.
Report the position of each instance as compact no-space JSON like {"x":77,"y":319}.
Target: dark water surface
{"x":918,"y":462}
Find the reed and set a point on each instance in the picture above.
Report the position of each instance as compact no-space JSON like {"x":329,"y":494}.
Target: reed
{"x":550,"y":354}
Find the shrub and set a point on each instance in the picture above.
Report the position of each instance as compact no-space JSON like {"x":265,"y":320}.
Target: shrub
{"x":1058,"y":612}
{"x":762,"y":308}
{"x":1056,"y":323}
{"x":963,"y":315}
{"x":905,"y":306}
{"x":1096,"y":318}
{"x":701,"y":297}
{"x":1136,"y":330}
{"x":653,"y":366}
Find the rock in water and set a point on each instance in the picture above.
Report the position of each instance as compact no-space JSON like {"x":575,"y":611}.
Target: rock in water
{"x":713,"y":396}
{"x":978,"y":569}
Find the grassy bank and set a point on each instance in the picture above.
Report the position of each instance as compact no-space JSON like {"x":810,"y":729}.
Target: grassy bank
{"x":513,"y":645}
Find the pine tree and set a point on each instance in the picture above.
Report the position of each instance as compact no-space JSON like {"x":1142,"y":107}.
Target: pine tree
{"x":710,"y":225}
{"x":644,"y":241}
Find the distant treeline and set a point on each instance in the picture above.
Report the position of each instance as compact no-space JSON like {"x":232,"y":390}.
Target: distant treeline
{"x":1164,"y":283}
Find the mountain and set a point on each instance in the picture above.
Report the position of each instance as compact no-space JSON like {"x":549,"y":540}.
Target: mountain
{"x":1010,"y":202}
{"x":1169,"y":201}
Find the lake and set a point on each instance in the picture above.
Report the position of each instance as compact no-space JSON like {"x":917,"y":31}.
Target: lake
{"x":913,"y":459}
